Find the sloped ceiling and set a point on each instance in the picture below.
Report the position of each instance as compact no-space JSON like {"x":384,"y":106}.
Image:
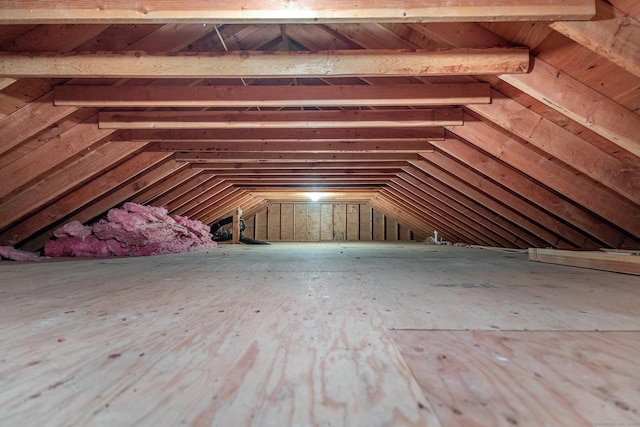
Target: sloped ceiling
{"x":175,"y":106}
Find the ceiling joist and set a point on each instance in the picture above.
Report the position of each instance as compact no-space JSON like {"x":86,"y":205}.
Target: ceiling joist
{"x":268,"y":147}
{"x":300,"y":11}
{"x":279,"y":119}
{"x":272,"y":96}
{"x":256,"y":64}
{"x":286,"y":135}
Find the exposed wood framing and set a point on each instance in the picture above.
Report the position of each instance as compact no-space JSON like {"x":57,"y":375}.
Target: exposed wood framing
{"x":620,"y":263}
{"x":390,"y":135}
{"x":279,"y":119}
{"x":303,"y":11}
{"x":612,"y":34}
{"x":254,"y":64}
{"x":272,"y":96}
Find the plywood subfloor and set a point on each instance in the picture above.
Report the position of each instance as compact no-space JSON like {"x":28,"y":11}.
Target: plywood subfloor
{"x":292,"y":334}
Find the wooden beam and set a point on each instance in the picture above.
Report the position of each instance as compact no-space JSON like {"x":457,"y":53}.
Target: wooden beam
{"x":612,"y":34}
{"x":278,"y":119}
{"x":301,"y":11}
{"x":258,"y":173}
{"x":286,"y":147}
{"x":620,"y":263}
{"x":272,"y":96}
{"x":237,"y":213}
{"x":292,"y":156}
{"x":552,"y":87}
{"x":307,"y":166}
{"x":258,"y":64}
{"x":282,"y":135}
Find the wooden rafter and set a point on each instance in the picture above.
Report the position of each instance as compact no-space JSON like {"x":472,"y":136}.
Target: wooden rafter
{"x":272,"y":96}
{"x":279,"y":119}
{"x":245,"y":64}
{"x":301,"y":11}
{"x":612,"y":34}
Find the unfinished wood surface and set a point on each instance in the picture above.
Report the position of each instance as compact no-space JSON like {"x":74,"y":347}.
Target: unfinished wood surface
{"x":272,"y":96}
{"x":425,"y":289}
{"x":257,"y":64}
{"x":306,"y":11}
{"x":612,"y":34}
{"x":280,"y":135}
{"x":280,"y":119}
{"x":239,"y":335}
{"x":618,"y":262}
{"x":529,"y":379}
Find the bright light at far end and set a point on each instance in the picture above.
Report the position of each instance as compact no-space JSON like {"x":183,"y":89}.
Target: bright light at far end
{"x":314,"y":196}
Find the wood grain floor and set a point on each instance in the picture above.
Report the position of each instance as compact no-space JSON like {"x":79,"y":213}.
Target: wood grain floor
{"x":330,"y":334}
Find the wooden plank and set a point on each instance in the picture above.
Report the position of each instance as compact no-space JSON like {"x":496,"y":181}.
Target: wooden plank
{"x":526,"y":378}
{"x":405,"y":233}
{"x":513,"y":207}
{"x":288,"y":222}
{"x":292,"y":349}
{"x":258,"y":64}
{"x":273,"y":221}
{"x":261,"y":225}
{"x":279,"y":119}
{"x":305,"y":11}
{"x":378,"y":225}
{"x":548,"y":297}
{"x":353,"y":222}
{"x":300,"y":220}
{"x":556,"y":89}
{"x":611,"y":34}
{"x":537,"y":194}
{"x":339,"y":221}
{"x":61,"y":181}
{"x":272,"y":96}
{"x":313,"y":222}
{"x":391,"y":232}
{"x":365,"y":222}
{"x":283,"y":135}
{"x":620,"y":263}
{"x":326,"y":221}
{"x":565,"y":146}
{"x":602,"y":201}
{"x":237,"y":213}
{"x":276,"y":167}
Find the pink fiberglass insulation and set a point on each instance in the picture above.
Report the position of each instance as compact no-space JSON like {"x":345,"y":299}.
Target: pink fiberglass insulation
{"x":133,"y":230}
{"x":9,"y":252}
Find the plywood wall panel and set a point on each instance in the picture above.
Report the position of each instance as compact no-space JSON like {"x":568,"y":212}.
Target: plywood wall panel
{"x":365,"y":222}
{"x":326,"y":222}
{"x":313,"y":222}
{"x":261,"y":221}
{"x":339,"y":222}
{"x":273,"y":224}
{"x":287,"y":220}
{"x":378,"y":226}
{"x":353,"y":221}
{"x":299,"y":222}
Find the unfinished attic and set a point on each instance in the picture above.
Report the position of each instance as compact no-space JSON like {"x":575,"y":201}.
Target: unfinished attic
{"x":405,"y":160}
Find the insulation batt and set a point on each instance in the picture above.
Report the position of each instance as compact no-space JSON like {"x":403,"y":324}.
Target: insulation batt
{"x":9,"y":252}
{"x":133,"y":230}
